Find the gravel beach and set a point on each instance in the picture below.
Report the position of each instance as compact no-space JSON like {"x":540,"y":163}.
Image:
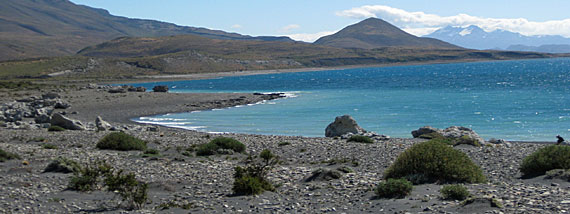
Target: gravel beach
{"x":204,"y":184}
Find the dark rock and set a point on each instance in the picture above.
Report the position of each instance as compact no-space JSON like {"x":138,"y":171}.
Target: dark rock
{"x":424,"y":130}
{"x":140,"y":89}
{"x":324,"y":175}
{"x":343,"y":125}
{"x":50,"y":95}
{"x":60,"y":104}
{"x":160,"y":88}
{"x":117,"y":90}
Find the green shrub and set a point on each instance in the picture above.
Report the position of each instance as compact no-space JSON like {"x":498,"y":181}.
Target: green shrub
{"x":48,"y":146}
{"x":394,"y":188}
{"x":63,"y":165}
{"x":219,"y":143}
{"x":545,"y":159}
{"x":4,"y":156}
{"x":435,"y":161}
{"x":251,"y":179}
{"x":150,"y":153}
{"x":134,"y":192}
{"x":121,"y":141}
{"x":89,"y":177}
{"x":360,"y":139}
{"x":56,"y":129}
{"x":454,"y":192}
{"x":283,"y":143}
{"x":433,"y":135}
{"x":466,"y":140}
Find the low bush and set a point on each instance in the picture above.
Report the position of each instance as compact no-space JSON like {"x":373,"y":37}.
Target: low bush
{"x":466,"y":140}
{"x":394,"y":188}
{"x":220,"y":143}
{"x":251,"y":179}
{"x":99,"y":175}
{"x":150,"y":153}
{"x":63,"y":165}
{"x":545,"y":159}
{"x":454,"y":192}
{"x":48,"y":146}
{"x":4,"y":156}
{"x":360,"y":139}
{"x":435,"y":161}
{"x":121,"y":141}
{"x":88,"y":178}
{"x":132,"y":191}
{"x":56,"y":129}
{"x":283,"y":143}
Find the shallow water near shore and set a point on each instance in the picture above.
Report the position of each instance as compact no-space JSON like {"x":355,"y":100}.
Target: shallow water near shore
{"x":525,"y":100}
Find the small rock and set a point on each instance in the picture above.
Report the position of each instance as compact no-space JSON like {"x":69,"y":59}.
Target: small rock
{"x":160,"y":88}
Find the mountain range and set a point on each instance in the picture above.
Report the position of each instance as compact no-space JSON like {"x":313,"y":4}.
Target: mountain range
{"x":40,"y":28}
{"x":376,"y":33}
{"x":474,"y":37}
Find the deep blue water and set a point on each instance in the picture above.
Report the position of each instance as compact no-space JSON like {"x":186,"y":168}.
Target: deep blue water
{"x":513,"y":100}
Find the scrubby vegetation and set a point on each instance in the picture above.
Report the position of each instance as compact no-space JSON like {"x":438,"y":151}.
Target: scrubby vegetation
{"x":48,"y":146}
{"x":63,"y":165}
{"x":545,"y":159}
{"x":434,"y":161}
{"x":56,"y":129}
{"x":150,"y":153}
{"x":100,"y":175}
{"x":121,"y":141}
{"x":251,"y":180}
{"x":220,"y":145}
{"x":394,"y":188}
{"x":4,"y":156}
{"x":454,"y":192}
{"x":360,"y":139}
{"x":283,"y":143}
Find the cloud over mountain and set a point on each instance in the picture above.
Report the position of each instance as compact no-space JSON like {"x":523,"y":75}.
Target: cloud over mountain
{"x":420,"y":22}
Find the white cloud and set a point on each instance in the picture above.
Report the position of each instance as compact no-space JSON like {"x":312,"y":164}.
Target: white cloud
{"x":289,"y":28}
{"x":420,"y":31}
{"x":236,"y":26}
{"x":415,"y":20}
{"x":309,"y":37}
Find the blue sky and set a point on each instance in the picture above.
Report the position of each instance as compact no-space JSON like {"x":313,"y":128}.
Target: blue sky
{"x":308,"y":19}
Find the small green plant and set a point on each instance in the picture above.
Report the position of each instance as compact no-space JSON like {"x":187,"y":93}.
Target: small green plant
{"x":435,"y":161}
{"x":150,"y":153}
{"x":466,"y":140}
{"x":89,"y":177}
{"x":251,"y":179}
{"x":360,"y":139}
{"x":132,"y":191}
{"x":454,"y":192}
{"x":56,"y":129}
{"x":394,"y":188}
{"x":545,"y":159}
{"x":4,"y":156}
{"x":48,"y":146}
{"x":283,"y":143}
{"x":63,"y":165}
{"x":121,"y":141}
{"x":433,"y":135}
{"x":220,"y":143}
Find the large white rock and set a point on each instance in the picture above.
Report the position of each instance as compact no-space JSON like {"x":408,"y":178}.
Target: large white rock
{"x":101,"y":124}
{"x":59,"y":120}
{"x":343,"y":125}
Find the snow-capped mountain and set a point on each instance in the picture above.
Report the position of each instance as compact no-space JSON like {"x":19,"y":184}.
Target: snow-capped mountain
{"x":476,"y":38}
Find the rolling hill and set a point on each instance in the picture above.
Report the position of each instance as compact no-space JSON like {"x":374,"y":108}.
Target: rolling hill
{"x":376,"y":33}
{"x":41,"y":28}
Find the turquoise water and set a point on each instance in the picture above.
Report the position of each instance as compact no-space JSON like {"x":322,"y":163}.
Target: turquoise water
{"x":513,"y":100}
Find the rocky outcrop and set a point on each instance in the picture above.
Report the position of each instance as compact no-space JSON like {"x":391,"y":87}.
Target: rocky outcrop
{"x":343,"y":125}
{"x":454,"y":132}
{"x":424,"y":130}
{"x":160,"y":88}
{"x":102,"y":125}
{"x":59,"y":120}
{"x":323,"y":175}
{"x":115,"y":90}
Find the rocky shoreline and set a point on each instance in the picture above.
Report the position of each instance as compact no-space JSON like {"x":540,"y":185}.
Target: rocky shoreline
{"x":204,"y":184}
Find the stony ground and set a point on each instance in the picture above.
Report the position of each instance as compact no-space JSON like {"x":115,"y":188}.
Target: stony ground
{"x":204,"y":183}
